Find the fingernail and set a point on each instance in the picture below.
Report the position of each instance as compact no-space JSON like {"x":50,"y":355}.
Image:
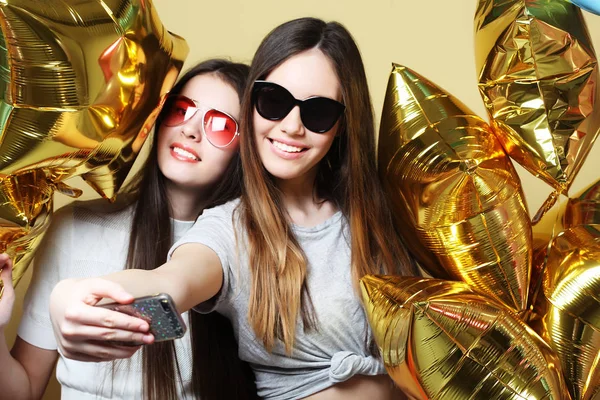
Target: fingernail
{"x":144,"y":327}
{"x":148,"y":339}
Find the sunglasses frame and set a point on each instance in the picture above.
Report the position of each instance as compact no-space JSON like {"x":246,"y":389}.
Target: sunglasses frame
{"x":199,"y":106}
{"x":259,"y":84}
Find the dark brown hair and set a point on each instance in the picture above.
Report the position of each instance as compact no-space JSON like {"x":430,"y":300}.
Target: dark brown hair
{"x":346,"y":176}
{"x":217,"y":371}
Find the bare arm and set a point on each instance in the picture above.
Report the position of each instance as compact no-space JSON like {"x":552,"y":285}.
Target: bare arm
{"x":24,"y":371}
{"x":30,"y":367}
{"x":193,"y":275}
{"x":84,"y":332}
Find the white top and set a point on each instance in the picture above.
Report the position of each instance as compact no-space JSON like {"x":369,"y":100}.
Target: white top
{"x":83,"y":241}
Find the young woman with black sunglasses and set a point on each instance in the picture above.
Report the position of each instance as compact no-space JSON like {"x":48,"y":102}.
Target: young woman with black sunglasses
{"x":282,"y":263}
{"x":193,"y":164}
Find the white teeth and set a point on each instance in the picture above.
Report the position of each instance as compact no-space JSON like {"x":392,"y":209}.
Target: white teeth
{"x":286,"y":148}
{"x":183,"y":153}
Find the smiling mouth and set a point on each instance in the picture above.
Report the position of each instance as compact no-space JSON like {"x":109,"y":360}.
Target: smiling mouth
{"x":184,"y":153}
{"x":287,"y":148}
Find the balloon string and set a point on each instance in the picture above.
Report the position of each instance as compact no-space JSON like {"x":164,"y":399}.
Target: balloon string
{"x":548,"y":204}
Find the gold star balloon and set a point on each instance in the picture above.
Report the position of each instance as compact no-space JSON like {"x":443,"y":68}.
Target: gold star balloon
{"x":539,"y":79}
{"x":81,"y":83}
{"x":442,"y":340}
{"x":571,"y":288}
{"x":454,"y":190}
{"x":583,"y":209}
{"x":460,"y":203}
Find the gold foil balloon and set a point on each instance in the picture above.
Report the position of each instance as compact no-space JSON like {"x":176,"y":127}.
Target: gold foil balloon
{"x":442,"y":340}
{"x":584,"y":209}
{"x":25,"y":211}
{"x":572,"y":290}
{"x":454,"y":190}
{"x":81,"y":83}
{"x":538,"y":76}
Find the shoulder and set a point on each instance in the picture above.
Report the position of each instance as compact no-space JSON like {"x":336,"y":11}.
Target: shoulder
{"x":100,"y":212}
{"x":214,"y":225}
{"x":89,"y":214}
{"x":226,"y":210}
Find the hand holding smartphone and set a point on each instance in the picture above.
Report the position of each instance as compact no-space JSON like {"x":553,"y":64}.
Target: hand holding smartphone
{"x":160,"y":313}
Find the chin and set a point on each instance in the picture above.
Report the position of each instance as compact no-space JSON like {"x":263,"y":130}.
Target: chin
{"x":281,"y":169}
{"x":287,"y":175}
{"x":184,"y":183}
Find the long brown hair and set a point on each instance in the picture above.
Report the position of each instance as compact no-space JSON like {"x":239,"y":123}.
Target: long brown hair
{"x":217,"y":372}
{"x":346,"y":176}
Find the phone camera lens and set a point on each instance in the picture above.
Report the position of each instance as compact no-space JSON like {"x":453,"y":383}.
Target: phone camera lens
{"x":165,"y":305}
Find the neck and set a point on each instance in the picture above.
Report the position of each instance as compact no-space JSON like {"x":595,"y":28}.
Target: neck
{"x":299,"y":200}
{"x":298,"y":193}
{"x":186,"y":204}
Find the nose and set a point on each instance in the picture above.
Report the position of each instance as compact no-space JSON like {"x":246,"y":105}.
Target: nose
{"x":192,"y":128}
{"x":292,"y":123}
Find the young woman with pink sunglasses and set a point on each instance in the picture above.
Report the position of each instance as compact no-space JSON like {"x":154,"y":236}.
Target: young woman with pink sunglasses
{"x":282,"y":262}
{"x":193,"y":164}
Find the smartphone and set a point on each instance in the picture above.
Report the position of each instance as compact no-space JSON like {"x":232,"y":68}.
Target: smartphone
{"x":160,"y":313}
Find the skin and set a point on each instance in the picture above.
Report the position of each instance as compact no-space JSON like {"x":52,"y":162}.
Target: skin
{"x":26,"y":369}
{"x":194,"y":273}
{"x":307,"y":74}
{"x":189,"y":182}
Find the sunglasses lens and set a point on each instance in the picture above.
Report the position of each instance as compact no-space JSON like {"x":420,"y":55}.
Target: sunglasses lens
{"x":220,"y":128}
{"x":177,"y":110}
{"x":320,"y":114}
{"x":273,"y":102}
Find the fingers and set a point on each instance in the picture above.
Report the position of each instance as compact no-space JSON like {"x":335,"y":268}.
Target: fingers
{"x":7,"y":292}
{"x":95,"y":289}
{"x":81,"y":333}
{"x":95,"y":352}
{"x":102,"y":317}
{"x":5,"y":261}
{"x":6,"y":286}
{"x":84,"y":332}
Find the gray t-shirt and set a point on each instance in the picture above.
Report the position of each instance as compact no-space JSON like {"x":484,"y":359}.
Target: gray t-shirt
{"x":321,"y":358}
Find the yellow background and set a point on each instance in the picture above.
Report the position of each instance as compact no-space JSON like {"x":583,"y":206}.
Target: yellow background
{"x":434,"y":37}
